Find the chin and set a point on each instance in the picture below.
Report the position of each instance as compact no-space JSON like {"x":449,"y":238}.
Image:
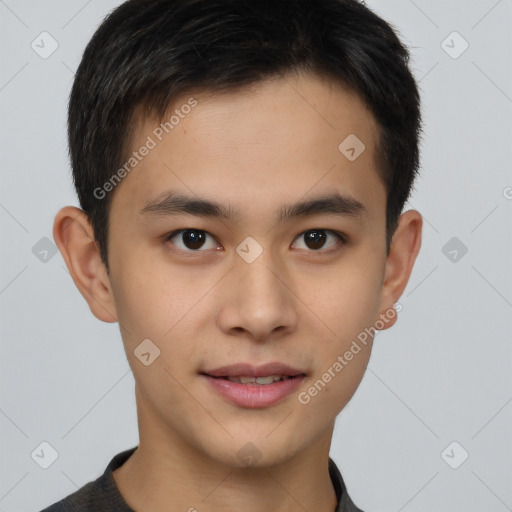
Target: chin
{"x":260,"y":451}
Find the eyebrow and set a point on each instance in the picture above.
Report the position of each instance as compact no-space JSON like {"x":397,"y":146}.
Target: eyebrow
{"x":174,"y":203}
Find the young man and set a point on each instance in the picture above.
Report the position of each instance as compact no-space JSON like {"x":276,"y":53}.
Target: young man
{"x":242,"y":167}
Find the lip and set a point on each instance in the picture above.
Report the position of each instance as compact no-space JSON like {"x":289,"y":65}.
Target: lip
{"x":254,"y":396}
{"x":248,"y":370}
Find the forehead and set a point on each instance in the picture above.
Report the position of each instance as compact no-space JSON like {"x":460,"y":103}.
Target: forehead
{"x":278,"y":139}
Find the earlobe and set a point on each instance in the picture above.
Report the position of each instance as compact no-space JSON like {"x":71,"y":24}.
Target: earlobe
{"x":74,"y":237}
{"x":405,"y":247}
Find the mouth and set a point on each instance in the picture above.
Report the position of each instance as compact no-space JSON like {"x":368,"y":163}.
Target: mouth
{"x":258,"y":381}
{"x":275,"y":370}
{"x":254,"y":387}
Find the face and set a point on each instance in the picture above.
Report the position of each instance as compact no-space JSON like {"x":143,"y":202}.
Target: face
{"x":253,"y":280}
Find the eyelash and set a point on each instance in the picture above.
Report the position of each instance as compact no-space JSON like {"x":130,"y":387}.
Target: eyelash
{"x":342,"y":239}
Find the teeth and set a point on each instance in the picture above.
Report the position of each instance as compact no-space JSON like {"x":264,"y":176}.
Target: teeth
{"x":259,"y":380}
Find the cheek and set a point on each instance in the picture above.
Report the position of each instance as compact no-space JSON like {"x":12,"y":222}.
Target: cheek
{"x":347,"y":299}
{"x":163,"y":302}
{"x":148,"y":302}
{"x":341,"y":358}
{"x":158,"y":306}
{"x":348,"y":306}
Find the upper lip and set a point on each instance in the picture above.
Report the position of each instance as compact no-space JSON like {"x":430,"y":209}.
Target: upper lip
{"x":247,"y":370}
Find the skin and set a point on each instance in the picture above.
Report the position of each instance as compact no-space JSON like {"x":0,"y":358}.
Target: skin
{"x":274,"y":143}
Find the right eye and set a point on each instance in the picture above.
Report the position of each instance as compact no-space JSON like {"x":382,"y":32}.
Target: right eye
{"x":192,"y":240}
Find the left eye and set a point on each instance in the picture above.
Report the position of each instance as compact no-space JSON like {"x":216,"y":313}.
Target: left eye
{"x":195,"y":240}
{"x":315,"y":238}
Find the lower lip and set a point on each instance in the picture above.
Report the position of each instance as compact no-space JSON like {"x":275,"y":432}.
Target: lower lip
{"x":255,"y":395}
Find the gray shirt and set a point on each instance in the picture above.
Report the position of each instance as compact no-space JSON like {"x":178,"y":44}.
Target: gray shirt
{"x":102,"y":494}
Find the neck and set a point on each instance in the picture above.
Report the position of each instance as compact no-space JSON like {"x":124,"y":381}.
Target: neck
{"x":165,"y":474}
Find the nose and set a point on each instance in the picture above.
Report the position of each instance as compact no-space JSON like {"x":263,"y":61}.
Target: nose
{"x":257,"y":301}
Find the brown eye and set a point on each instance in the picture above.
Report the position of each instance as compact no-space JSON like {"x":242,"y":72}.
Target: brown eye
{"x":191,"y":240}
{"x":315,"y":239}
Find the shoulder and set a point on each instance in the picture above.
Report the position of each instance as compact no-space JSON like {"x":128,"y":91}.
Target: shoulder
{"x":345,"y":503}
{"x":82,"y":500}
{"x":99,"y":495}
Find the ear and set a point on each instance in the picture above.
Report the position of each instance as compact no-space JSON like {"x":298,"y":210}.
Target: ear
{"x":74,"y":237}
{"x":405,"y":246}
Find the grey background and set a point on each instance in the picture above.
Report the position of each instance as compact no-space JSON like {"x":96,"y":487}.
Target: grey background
{"x":441,"y":374}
